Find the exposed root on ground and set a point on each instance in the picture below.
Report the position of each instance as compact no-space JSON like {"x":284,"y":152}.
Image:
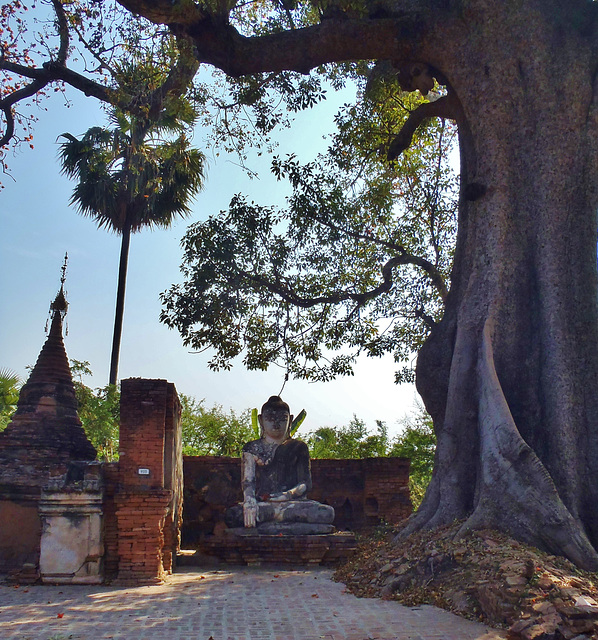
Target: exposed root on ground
{"x":485,"y":576}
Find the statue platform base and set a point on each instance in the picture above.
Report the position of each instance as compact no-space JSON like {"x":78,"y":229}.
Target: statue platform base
{"x":284,"y":529}
{"x":247,"y":547}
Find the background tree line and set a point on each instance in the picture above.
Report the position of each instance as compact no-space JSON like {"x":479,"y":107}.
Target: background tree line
{"x":216,"y":432}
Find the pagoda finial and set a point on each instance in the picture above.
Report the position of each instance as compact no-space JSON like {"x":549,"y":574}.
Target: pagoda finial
{"x":63,"y":270}
{"x":60,"y":305}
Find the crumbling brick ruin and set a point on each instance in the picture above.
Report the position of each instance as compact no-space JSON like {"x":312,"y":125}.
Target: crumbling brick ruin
{"x":66,"y":518}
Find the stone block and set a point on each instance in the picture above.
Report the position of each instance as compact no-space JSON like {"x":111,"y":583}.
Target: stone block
{"x":71,"y":546}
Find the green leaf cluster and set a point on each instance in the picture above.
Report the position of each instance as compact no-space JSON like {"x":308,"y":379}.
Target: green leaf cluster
{"x":351,"y":441}
{"x":99,"y":412}
{"x":213,"y":431}
{"x":10,"y":385}
{"x":358,"y":261}
{"x":417,"y":441}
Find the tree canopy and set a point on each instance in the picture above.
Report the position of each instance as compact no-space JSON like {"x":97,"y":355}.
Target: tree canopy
{"x":274,"y":285}
{"x":213,"y":431}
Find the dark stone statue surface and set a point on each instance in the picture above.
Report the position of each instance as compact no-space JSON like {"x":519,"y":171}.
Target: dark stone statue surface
{"x":276,"y":477}
{"x":285,"y":466}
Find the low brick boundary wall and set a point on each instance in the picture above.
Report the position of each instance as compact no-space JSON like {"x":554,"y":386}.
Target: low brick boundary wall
{"x":362,"y":492}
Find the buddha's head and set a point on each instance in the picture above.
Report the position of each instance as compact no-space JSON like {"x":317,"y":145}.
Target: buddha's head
{"x":275,"y":420}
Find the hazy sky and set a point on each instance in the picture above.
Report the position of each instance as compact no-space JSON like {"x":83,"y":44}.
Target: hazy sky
{"x":37,"y":227}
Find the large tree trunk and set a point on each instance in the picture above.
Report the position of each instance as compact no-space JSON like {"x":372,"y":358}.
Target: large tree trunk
{"x":510,"y":374}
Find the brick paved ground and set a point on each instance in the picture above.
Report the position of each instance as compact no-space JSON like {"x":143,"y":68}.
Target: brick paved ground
{"x":232,"y":604}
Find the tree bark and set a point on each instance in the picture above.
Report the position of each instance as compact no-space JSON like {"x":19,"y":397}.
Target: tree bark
{"x":120,"y":302}
{"x":510,"y":374}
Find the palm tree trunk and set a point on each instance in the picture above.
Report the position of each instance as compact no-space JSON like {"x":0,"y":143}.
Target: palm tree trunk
{"x":120,"y":302}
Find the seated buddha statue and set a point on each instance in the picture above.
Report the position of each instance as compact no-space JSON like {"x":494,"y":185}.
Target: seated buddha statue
{"x":276,"y":477}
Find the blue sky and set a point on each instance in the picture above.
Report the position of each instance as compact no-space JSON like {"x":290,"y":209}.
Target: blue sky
{"x":37,"y":227}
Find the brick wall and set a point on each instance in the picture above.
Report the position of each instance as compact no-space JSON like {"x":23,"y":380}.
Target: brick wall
{"x":363,"y":493}
{"x":140,"y":519}
{"x":110,"y":477}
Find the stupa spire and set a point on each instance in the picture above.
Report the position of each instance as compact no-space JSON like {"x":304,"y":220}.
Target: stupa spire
{"x":46,"y":417}
{"x":52,"y":364}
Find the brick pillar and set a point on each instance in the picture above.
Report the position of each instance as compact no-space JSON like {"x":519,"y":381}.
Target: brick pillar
{"x":140,"y":517}
{"x":145,"y":500}
{"x":142,"y":431}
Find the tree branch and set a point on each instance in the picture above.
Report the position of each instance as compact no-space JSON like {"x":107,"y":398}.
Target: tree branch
{"x":6,"y":106}
{"x":361,"y":299}
{"x":180,"y":76}
{"x":441,"y":108}
{"x":167,"y":11}
{"x":218,"y":43}
{"x":63,"y":31}
{"x":9,"y":128}
{"x":433,"y":273}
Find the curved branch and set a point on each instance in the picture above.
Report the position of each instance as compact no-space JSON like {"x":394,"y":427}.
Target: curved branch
{"x":434,"y":274}
{"x":441,"y":108}
{"x":53,"y":71}
{"x":6,"y":106}
{"x":9,"y":129}
{"x":288,"y":295}
{"x":178,"y":79}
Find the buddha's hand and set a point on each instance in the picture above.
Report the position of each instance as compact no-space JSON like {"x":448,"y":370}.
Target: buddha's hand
{"x":280,"y":497}
{"x":250,"y":512}
{"x":289,"y":494}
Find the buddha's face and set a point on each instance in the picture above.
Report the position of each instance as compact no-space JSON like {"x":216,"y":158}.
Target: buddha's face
{"x":275,"y":424}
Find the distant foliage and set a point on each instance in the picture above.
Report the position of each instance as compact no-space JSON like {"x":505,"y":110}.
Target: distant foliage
{"x":213,"y":432}
{"x":417,"y":441}
{"x":99,"y":412}
{"x":10,"y":385}
{"x":351,"y":441}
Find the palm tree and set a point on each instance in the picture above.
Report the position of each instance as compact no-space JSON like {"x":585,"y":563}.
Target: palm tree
{"x":140,"y":173}
{"x":10,"y":385}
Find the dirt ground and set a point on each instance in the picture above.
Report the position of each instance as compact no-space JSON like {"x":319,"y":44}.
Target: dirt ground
{"x":484,"y":576}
